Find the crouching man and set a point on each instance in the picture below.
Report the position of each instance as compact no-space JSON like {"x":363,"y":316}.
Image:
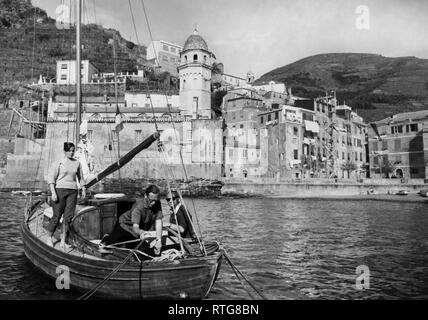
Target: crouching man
{"x":144,"y":216}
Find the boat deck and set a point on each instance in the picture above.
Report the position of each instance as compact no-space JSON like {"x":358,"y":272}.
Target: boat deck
{"x":36,"y":227}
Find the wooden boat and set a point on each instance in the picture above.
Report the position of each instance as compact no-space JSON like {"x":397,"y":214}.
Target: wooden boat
{"x":189,"y":277}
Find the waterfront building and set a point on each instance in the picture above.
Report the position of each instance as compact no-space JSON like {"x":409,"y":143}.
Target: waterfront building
{"x":165,"y":54}
{"x":341,"y":142}
{"x":281,"y":137}
{"x":241,"y":136}
{"x":399,"y":146}
{"x":66,"y":71}
{"x":195,"y":71}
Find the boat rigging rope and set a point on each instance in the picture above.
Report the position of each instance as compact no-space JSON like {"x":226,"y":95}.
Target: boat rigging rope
{"x":200,"y":241}
{"x":175,"y":132}
{"x":237,"y":271}
{"x":174,"y":212}
{"x":91,"y":292}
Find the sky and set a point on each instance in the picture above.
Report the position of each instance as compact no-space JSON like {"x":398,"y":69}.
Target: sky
{"x":261,"y":35}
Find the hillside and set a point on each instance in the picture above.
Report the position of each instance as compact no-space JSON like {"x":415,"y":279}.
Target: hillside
{"x":373,"y":85}
{"x":28,"y":49}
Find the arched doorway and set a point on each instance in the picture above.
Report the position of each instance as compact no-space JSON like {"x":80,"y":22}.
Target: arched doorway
{"x":399,"y":173}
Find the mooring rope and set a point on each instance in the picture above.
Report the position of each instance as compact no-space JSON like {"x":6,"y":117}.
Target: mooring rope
{"x":91,"y":292}
{"x":237,"y":271}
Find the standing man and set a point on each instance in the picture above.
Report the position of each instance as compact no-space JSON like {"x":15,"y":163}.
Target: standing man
{"x":145,"y":215}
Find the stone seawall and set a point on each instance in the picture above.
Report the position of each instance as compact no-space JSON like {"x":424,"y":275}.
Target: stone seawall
{"x":313,"y":190}
{"x":195,"y":188}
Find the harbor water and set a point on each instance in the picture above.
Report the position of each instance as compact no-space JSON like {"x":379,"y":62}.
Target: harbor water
{"x":288,"y":249}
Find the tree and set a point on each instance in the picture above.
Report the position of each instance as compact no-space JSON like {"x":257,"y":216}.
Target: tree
{"x":348,"y":166}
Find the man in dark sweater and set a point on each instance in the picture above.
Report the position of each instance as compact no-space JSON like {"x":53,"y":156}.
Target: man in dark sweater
{"x":145,"y":215}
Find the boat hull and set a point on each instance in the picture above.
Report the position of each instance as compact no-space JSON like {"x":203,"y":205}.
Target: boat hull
{"x":180,"y":279}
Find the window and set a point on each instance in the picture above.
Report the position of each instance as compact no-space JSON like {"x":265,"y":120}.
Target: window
{"x":361,"y":156}
{"x":343,"y":155}
{"x":165,"y":47}
{"x":64,"y":66}
{"x":281,"y":156}
{"x":205,"y":59}
{"x":165,"y":58}
{"x":396,"y":129}
{"x":412,"y":127}
{"x":63,"y":77}
{"x":245,"y":153}
{"x":241,"y":113}
{"x":261,"y":120}
{"x":356,"y":156}
{"x":147,"y":105}
{"x":269,"y":117}
{"x":295,"y":131}
{"x":90,"y":135}
{"x":195,"y":58}
{"x":184,"y":84}
{"x":296,"y":154}
{"x":172,"y":49}
{"x":185,"y":59}
{"x":276,"y":115}
{"x":137,"y":136}
{"x":349,"y":157}
{"x":134,"y":105}
{"x":230,"y":153}
{"x":241,"y":126}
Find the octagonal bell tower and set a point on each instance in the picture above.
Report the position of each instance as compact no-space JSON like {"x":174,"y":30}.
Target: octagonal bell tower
{"x":195,"y":72}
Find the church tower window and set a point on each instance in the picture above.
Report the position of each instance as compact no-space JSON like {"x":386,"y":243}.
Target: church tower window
{"x":195,"y":58}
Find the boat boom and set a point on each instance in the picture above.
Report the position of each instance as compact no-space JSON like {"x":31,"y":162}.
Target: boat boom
{"x":123,"y":160}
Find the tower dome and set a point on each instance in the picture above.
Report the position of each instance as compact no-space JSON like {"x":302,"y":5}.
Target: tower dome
{"x":195,"y":42}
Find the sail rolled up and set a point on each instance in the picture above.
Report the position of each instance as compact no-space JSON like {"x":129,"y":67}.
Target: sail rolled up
{"x":123,"y":160}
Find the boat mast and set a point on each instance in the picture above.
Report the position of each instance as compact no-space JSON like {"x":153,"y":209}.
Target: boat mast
{"x":78,"y":70}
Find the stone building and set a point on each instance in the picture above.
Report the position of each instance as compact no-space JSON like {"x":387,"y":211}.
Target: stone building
{"x":281,"y":137}
{"x":399,"y":146}
{"x":241,"y":136}
{"x":195,"y":72}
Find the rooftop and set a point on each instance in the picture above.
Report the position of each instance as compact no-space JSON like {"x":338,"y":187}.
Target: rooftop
{"x":195,"y":42}
{"x":406,"y":116}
